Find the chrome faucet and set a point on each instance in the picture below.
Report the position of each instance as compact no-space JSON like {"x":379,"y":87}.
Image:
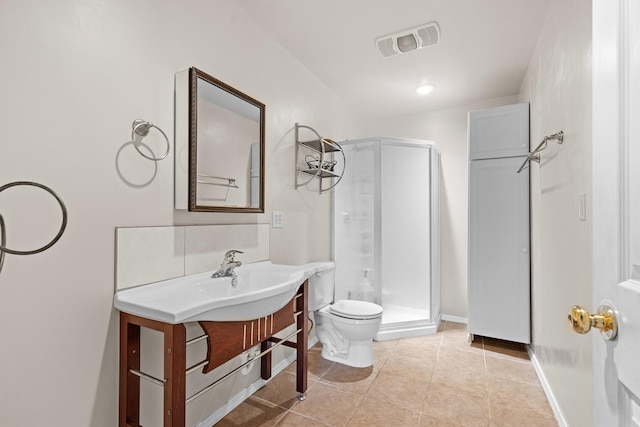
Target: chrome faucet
{"x":229,"y":263}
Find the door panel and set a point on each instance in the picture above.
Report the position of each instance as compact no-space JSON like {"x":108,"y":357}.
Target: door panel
{"x":499,"y":132}
{"x":627,"y":353}
{"x":499,"y":292}
{"x":616,"y":208}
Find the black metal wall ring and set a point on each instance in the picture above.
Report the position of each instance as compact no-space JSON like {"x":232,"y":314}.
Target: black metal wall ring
{"x":4,"y":249}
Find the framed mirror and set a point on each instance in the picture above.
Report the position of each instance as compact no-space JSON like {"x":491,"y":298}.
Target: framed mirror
{"x":226,"y":147}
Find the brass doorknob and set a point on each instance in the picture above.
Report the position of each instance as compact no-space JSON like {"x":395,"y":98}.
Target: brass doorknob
{"x":604,"y":319}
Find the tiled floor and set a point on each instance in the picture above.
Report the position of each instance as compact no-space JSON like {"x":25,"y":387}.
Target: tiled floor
{"x":438,"y":380}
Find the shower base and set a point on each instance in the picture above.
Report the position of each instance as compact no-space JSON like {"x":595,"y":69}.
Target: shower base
{"x":403,"y":322}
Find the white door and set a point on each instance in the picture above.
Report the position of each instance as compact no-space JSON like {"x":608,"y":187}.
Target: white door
{"x":499,"y":250}
{"x":616,"y":208}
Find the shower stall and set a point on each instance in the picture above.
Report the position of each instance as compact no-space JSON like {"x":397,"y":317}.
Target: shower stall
{"x":386,"y":232}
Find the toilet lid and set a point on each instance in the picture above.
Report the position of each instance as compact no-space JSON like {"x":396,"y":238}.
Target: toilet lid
{"x":356,"y":309}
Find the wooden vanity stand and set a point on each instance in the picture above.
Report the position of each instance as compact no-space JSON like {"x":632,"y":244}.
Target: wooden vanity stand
{"x":226,"y":340}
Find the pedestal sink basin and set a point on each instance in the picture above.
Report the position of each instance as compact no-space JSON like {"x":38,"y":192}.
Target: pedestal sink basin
{"x":262,"y":288}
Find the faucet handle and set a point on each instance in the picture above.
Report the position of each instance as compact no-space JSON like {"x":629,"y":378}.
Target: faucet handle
{"x":230,"y":255}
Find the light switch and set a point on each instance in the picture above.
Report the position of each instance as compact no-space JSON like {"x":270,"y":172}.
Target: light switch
{"x":582,"y":207}
{"x":277,"y":220}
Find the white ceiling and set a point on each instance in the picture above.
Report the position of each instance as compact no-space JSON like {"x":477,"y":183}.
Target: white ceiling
{"x":484,"y":49}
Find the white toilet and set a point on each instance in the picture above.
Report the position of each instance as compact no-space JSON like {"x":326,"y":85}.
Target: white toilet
{"x":345,"y":328}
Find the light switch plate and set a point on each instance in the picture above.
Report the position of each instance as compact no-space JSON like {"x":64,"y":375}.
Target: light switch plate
{"x":582,"y":207}
{"x":277,"y":220}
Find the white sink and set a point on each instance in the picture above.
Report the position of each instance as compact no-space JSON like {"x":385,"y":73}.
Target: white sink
{"x":263,"y":288}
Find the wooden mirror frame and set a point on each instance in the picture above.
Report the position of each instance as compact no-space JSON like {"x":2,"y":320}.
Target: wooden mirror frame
{"x":194,"y":75}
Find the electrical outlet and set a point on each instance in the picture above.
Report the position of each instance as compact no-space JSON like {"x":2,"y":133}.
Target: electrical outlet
{"x":277,"y":220}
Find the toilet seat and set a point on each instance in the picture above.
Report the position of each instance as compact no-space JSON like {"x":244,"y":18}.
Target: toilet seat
{"x":359,"y":310}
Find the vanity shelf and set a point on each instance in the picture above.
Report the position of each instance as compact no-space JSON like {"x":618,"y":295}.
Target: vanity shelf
{"x":324,"y":148}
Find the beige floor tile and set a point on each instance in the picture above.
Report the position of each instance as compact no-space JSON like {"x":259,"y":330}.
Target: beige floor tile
{"x":281,"y":390}
{"x":386,"y":344}
{"x":418,"y":348}
{"x":318,"y":365}
{"x":507,"y":416}
{"x":454,"y":358}
{"x":402,"y":391}
{"x":507,"y":393}
{"x":456,"y":333}
{"x":291,"y":419}
{"x":499,"y":348}
{"x":328,"y":405}
{"x":453,"y":406}
{"x":470,"y":381}
{"x":380,"y":357}
{"x":474,"y":347}
{"x":461,"y":342}
{"x":317,"y":348}
{"x":427,"y":421}
{"x":382,"y":350}
{"x":457,"y":336}
{"x":349,"y":379}
{"x":452,"y":326}
{"x":513,"y":368}
{"x":438,"y":380}
{"x":253,"y":412}
{"x":377,"y":413}
{"x":410,"y":367}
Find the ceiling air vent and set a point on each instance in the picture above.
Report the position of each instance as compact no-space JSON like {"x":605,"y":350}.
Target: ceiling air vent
{"x":409,"y":40}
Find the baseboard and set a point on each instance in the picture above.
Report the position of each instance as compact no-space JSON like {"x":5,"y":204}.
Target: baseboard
{"x":547,"y":390}
{"x":236,"y":400}
{"x":406,"y":332}
{"x":454,"y":319}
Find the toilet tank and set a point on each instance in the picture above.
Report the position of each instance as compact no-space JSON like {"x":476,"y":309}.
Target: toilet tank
{"x":321,"y":285}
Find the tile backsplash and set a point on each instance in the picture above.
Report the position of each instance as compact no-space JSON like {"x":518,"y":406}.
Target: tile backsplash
{"x":150,"y":254}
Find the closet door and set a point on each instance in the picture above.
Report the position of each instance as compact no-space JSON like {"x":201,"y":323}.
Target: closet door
{"x":499,"y":296}
{"x":499,"y":132}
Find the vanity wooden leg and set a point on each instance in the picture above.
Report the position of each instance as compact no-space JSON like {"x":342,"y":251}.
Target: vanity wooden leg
{"x":129,"y":405}
{"x":175,"y":354}
{"x":265,"y":361}
{"x":302,"y":341}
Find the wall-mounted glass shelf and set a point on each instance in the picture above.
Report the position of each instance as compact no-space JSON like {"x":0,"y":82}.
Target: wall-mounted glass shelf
{"x":316,"y":145}
{"x":323,"y":171}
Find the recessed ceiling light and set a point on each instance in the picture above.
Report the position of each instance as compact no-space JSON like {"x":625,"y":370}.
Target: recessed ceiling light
{"x":407,"y":43}
{"x":424,"y":89}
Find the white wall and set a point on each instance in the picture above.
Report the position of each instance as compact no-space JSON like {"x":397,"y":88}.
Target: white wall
{"x":448,"y":129}
{"x":558,"y":86}
{"x":75,"y":75}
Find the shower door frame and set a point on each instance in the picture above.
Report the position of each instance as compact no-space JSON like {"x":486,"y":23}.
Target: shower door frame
{"x":430,"y":324}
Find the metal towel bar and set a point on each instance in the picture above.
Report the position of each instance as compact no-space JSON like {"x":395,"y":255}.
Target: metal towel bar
{"x":231,"y":182}
{"x":161,"y":382}
{"x":535,"y":154}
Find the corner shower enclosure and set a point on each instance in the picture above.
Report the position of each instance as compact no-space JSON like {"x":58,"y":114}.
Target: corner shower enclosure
{"x":386,"y":232}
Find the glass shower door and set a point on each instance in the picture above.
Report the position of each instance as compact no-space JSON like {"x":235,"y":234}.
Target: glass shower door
{"x":405,"y":291}
{"x":354,"y":224}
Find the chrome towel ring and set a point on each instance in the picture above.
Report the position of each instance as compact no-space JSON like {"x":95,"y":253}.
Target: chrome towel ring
{"x":141,"y":128}
{"x":3,"y":238}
